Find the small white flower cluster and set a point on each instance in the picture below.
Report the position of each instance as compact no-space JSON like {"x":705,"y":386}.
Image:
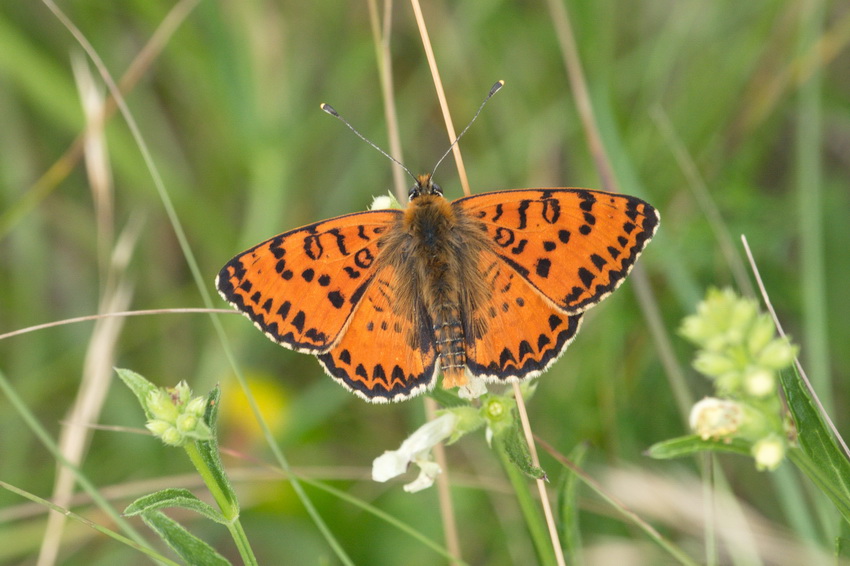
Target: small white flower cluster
{"x":176,"y":417}
{"x":740,"y":352}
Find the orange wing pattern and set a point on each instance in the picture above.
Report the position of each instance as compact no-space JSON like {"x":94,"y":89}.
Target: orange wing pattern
{"x":301,"y":287}
{"x":575,"y":246}
{"x":384,"y":355}
{"x":521,"y":333}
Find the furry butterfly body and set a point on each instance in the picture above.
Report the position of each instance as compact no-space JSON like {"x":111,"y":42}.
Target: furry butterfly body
{"x":494,"y":284}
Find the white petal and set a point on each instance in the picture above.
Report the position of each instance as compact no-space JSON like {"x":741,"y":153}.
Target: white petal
{"x":429,"y":435}
{"x":429,"y":471}
{"x":416,"y":447}
{"x":475,"y":387}
{"x":389,"y":465}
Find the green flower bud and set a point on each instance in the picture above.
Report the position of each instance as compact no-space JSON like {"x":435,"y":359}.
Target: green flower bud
{"x":158,"y":427}
{"x":173,"y":437}
{"x":714,"y":364}
{"x":743,"y":314}
{"x":176,"y":417}
{"x":181,"y":394}
{"x":729,"y":384}
{"x":187,"y":422}
{"x":693,"y":328}
{"x":161,"y":405}
{"x":778,"y":354}
{"x":197,"y":406}
{"x":760,"y":334}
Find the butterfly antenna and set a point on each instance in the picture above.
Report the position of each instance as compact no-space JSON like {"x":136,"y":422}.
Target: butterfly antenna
{"x":330,"y":110}
{"x":493,"y":90}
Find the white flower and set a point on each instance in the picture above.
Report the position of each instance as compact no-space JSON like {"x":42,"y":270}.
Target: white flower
{"x":384,"y":202}
{"x":716,"y":418}
{"x":381,"y":203}
{"x":428,"y":472}
{"x":759,"y":382}
{"x":417,"y":449}
{"x":475,"y":387}
{"x":769,"y":452}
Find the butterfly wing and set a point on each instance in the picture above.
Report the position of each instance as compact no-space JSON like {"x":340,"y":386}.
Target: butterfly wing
{"x":575,"y":246}
{"x":517,"y":333}
{"x":384,"y":354}
{"x":301,"y":287}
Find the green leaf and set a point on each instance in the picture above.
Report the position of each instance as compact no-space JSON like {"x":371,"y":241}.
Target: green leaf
{"x":140,"y":387}
{"x":568,"y":506}
{"x":189,"y":547}
{"x":513,"y":442}
{"x":208,"y":449}
{"x":694,"y":444}
{"x":446,"y":398}
{"x":174,"y":497}
{"x":819,"y":456}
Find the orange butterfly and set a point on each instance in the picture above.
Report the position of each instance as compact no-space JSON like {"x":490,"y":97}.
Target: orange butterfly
{"x":494,"y":284}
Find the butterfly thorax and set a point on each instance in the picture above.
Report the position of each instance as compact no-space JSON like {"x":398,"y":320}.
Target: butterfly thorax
{"x":434,"y":249}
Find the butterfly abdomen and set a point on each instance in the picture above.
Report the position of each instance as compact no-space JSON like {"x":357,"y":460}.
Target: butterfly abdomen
{"x":434,"y":249}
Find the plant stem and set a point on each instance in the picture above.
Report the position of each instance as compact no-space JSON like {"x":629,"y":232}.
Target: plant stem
{"x":229,"y":509}
{"x":536,"y":526}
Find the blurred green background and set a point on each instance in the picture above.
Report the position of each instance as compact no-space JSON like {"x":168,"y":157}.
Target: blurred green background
{"x":748,"y":102}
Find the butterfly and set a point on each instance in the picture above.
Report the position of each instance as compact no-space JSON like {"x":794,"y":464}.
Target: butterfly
{"x":492,"y":285}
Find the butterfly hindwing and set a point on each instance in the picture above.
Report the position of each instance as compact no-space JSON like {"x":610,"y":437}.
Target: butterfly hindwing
{"x":517,"y":333}
{"x":575,"y":246}
{"x":384,"y":354}
{"x":301,"y":287}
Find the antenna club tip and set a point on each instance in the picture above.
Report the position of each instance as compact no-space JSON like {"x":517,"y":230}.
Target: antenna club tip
{"x":499,"y":84}
{"x":328,"y":108}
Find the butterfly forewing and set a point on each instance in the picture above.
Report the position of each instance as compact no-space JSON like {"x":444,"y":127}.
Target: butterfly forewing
{"x":519,"y":333}
{"x":575,"y":246}
{"x":384,"y":354}
{"x":301,"y":287}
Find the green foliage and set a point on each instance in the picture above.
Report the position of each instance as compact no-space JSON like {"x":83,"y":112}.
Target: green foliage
{"x":172,"y":406}
{"x":754,"y":99}
{"x":189,"y":547}
{"x":736,"y":344}
{"x":173,"y":497}
{"x":818,"y":455}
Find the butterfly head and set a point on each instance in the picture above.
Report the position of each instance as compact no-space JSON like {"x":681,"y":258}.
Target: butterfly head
{"x":424,"y":186}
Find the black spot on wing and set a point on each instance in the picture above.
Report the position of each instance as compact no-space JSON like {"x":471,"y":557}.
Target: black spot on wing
{"x":516,"y":267}
{"x":586,"y":277}
{"x":522,"y":210}
{"x":336,"y":299}
{"x":283,"y":311}
{"x":542,"y":267}
{"x":519,"y":247}
{"x":298,"y":321}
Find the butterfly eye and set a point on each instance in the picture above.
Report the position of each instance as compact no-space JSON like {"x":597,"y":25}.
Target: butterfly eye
{"x":414,"y":192}
{"x":436,"y":189}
